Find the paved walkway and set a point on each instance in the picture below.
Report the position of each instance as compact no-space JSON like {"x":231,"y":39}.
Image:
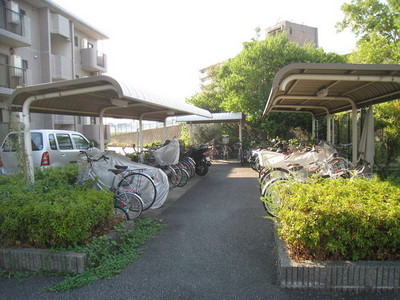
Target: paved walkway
{"x":216,"y":245}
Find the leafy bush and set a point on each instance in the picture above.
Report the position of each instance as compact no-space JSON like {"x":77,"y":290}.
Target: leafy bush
{"x":341,"y":219}
{"x":52,"y":212}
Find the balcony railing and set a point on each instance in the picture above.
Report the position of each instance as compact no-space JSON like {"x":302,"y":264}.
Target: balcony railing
{"x":11,"y":20}
{"x":101,"y":60}
{"x":61,"y":67}
{"x":93,"y":60}
{"x":12,"y":77}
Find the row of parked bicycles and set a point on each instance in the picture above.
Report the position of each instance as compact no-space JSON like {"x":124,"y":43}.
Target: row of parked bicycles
{"x":276,"y":165}
{"x":137,"y":187}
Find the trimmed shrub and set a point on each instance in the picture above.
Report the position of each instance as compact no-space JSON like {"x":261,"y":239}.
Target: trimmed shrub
{"x":341,"y":219}
{"x":52,"y":212}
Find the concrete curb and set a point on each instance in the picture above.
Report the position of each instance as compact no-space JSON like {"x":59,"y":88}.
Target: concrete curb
{"x":32,"y":259}
{"x":343,"y":276}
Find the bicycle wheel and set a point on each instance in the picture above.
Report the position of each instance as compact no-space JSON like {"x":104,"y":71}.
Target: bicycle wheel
{"x":270,"y":199}
{"x":178,"y":172}
{"x":131,"y":203}
{"x":120,"y":213}
{"x":188,"y":167}
{"x":255,"y":163}
{"x":140,"y":184}
{"x":172,"y":177}
{"x":270,"y":174}
{"x":192,"y":165}
{"x":184,"y":176}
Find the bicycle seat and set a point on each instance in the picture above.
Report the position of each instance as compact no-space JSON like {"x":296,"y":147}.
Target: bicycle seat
{"x":116,"y":171}
{"x":121,"y":167}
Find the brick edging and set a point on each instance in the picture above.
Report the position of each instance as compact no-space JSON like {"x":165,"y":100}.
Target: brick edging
{"x":32,"y":259}
{"x":342,"y":276}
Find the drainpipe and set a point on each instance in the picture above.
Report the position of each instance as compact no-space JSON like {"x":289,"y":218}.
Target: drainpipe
{"x":25,"y":119}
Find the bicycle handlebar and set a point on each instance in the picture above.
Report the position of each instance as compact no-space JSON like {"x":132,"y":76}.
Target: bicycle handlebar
{"x":90,"y":159}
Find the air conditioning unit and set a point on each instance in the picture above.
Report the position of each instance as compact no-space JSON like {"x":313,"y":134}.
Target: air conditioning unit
{"x":16,"y":66}
{"x":13,"y":12}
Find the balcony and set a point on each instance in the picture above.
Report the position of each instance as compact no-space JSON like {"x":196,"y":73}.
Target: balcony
{"x":14,"y":28}
{"x":12,"y":77}
{"x":61,"y":67}
{"x":93,"y":60}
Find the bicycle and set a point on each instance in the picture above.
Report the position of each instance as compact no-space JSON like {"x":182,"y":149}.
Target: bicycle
{"x":127,"y":205}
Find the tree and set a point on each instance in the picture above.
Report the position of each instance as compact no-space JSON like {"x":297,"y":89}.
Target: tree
{"x":387,"y":130}
{"x":243,"y":83}
{"x":377,"y":24}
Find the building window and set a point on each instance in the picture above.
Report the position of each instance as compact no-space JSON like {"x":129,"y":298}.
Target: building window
{"x":76,"y":41}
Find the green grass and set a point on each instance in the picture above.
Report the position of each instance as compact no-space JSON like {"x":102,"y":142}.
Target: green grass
{"x":106,"y":258}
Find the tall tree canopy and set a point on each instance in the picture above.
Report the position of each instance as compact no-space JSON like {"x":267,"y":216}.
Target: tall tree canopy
{"x":377,"y":24}
{"x":243,"y":83}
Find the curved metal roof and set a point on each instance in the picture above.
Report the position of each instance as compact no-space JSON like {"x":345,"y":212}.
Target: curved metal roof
{"x":94,"y":95}
{"x":215,"y":118}
{"x":331,"y":88}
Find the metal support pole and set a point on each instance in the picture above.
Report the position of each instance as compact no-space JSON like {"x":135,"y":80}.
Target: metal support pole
{"x":141,"y":155}
{"x":354,"y":134}
{"x":240,"y":131}
{"x":313,"y":133}
{"x":328,"y":127}
{"x":165,"y":135}
{"x":102,"y":148}
{"x":190,"y":133}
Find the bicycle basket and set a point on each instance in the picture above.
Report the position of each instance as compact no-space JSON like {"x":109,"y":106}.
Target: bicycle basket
{"x":83,"y":172}
{"x":338,"y":165}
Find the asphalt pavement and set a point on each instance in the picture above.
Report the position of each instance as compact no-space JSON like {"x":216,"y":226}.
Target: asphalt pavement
{"x":216,"y":244}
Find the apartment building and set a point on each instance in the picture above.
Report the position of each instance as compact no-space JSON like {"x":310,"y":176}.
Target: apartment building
{"x":41,"y":42}
{"x":298,"y":33}
{"x":207,"y":73}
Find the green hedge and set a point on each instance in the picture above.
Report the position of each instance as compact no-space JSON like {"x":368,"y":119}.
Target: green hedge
{"x":53,"y":212}
{"x":341,"y":219}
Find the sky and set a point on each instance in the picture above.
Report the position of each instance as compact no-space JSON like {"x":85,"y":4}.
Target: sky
{"x":160,"y":45}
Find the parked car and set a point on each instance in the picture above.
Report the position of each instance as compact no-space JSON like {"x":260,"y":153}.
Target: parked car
{"x":50,"y":148}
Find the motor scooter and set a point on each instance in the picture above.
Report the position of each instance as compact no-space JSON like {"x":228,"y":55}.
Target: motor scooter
{"x":201,"y":157}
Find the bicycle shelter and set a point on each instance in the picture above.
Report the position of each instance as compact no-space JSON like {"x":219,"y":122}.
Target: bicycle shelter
{"x":215,"y":118}
{"x":325,"y":89}
{"x":96,"y":96}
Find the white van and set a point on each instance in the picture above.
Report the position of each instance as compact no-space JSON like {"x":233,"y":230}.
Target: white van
{"x":50,"y":148}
